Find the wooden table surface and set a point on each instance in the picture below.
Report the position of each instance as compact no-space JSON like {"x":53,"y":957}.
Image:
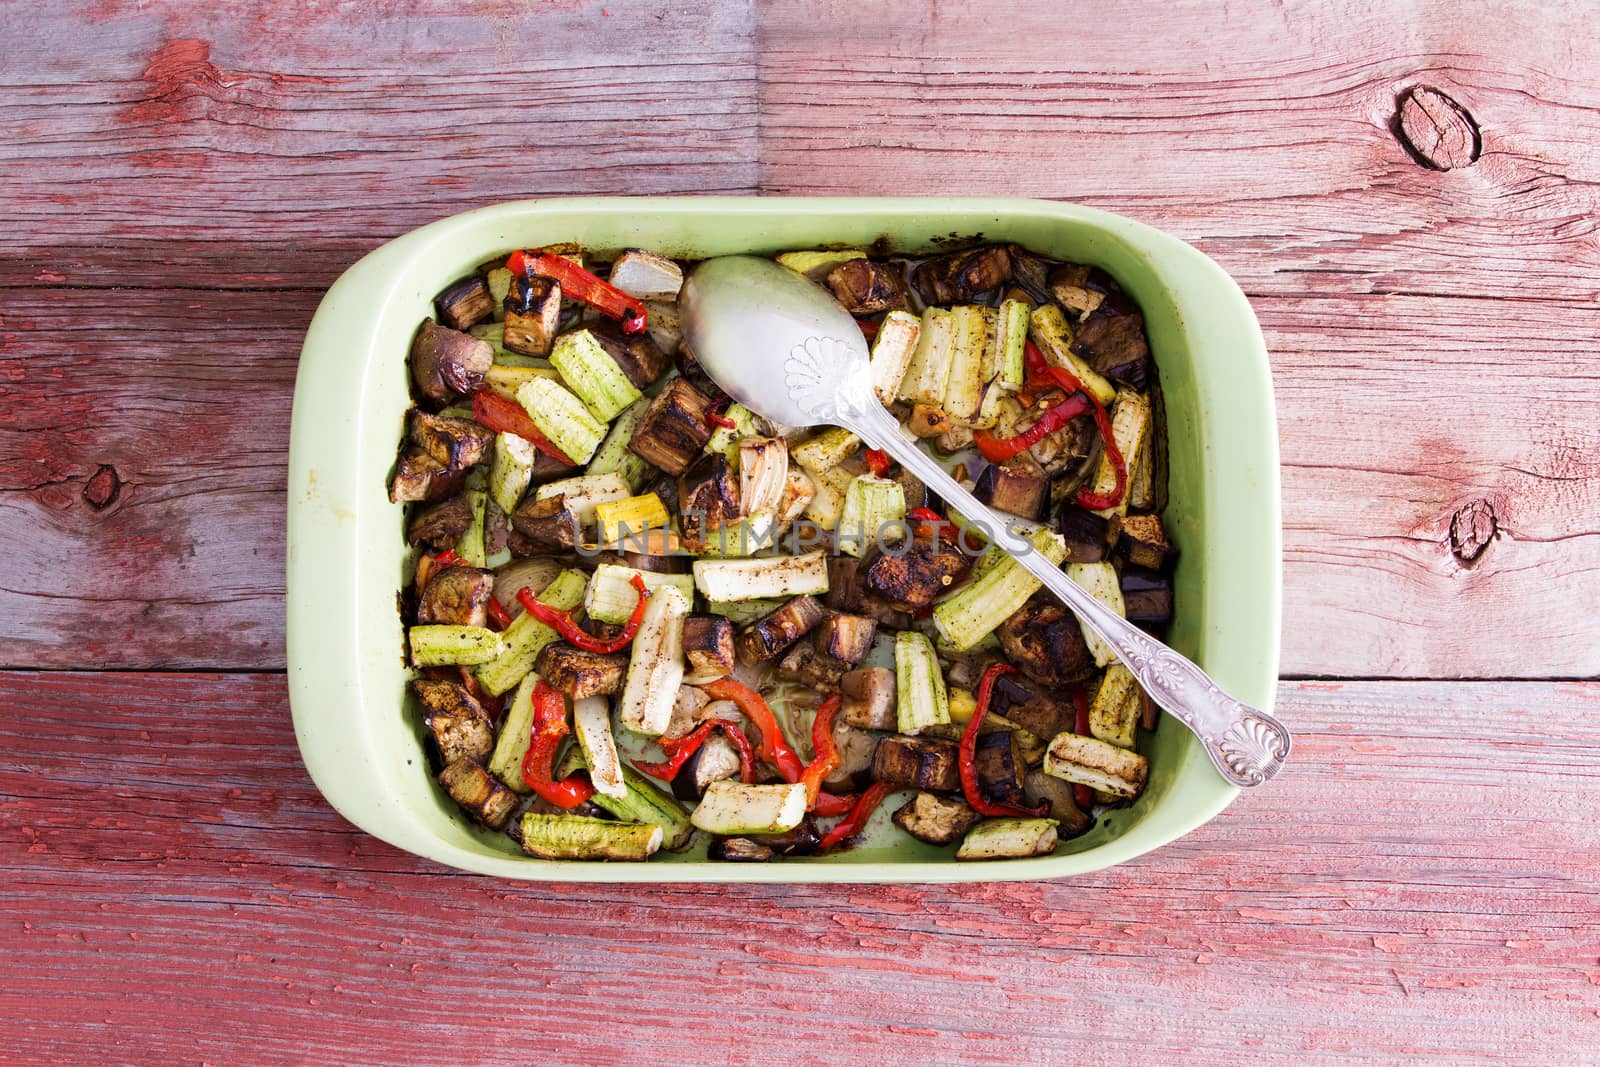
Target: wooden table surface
{"x":1408,"y":193}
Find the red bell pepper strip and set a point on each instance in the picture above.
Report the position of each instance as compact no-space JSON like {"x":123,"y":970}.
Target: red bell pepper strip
{"x":1082,"y":795}
{"x":1000,"y":449}
{"x":931,"y":524}
{"x":507,"y":416}
{"x":499,"y":617}
{"x":967,"y":762}
{"x":856,"y":821}
{"x":563,"y":623}
{"x":869,"y":329}
{"x":720,"y":421}
{"x":829,"y":804}
{"x":827,"y":758}
{"x":580,"y":285}
{"x":877,"y":462}
{"x":447,"y":558}
{"x":679,"y":749}
{"x":1039,"y":367}
{"x":773,"y":747}
{"x":548,"y":729}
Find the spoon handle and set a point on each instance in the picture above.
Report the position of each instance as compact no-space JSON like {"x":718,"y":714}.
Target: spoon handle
{"x":1247,"y":745}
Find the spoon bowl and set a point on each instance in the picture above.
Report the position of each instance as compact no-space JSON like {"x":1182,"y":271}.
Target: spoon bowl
{"x":784,"y":348}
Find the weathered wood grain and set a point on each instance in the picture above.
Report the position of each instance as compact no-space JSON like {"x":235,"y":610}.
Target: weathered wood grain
{"x":1420,"y":887}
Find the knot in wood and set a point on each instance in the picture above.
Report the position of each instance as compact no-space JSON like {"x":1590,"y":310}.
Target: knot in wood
{"x":1438,"y":132}
{"x":1472,"y":527}
{"x":103,"y":488}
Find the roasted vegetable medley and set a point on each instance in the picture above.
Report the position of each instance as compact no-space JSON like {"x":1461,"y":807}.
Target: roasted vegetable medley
{"x":641,"y":611}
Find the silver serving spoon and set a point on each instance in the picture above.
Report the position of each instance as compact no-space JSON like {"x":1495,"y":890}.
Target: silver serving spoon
{"x":783,"y":347}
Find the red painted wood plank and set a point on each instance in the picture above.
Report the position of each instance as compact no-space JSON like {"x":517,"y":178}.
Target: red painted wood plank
{"x":1420,"y":887}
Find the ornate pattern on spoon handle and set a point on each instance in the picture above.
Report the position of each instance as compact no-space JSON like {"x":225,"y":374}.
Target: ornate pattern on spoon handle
{"x":1247,"y":746}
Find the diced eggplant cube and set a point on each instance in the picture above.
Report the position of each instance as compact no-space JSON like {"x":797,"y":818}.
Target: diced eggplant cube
{"x":1039,"y":712}
{"x":910,"y":579}
{"x":579,"y":673}
{"x":1142,"y":541}
{"x":1018,"y":486}
{"x":465,"y":303}
{"x":533,"y":316}
{"x":1146,"y":596}
{"x":808,"y":666}
{"x":919,"y":762}
{"x":439,"y":527}
{"x":673,"y":429}
{"x":418,"y":476}
{"x":1112,"y":341}
{"x":934,"y":819}
{"x":1046,"y":643}
{"x":479,"y":792}
{"x":1078,"y":288}
{"x":456,"y":596}
{"x":959,"y":277}
{"x":460,"y":726}
{"x":770,"y":635}
{"x":708,"y":500}
{"x":640,"y":358}
{"x":548,"y":525}
{"x":1088,"y":535}
{"x":844,"y":583}
{"x":447,"y":363}
{"x":455,"y":443}
{"x":866,"y":288}
{"x":801,"y":841}
{"x":1000,"y":767}
{"x":739,"y":850}
{"x":715,"y":760}
{"x":869,"y":698}
{"x":1031,"y":272}
{"x":845,"y":637}
{"x":646,"y":275}
{"x":708,"y":646}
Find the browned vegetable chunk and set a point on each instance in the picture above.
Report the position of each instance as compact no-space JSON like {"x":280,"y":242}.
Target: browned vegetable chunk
{"x":773,"y":633}
{"x":856,"y":748}
{"x":465,"y":303}
{"x":440,"y":526}
{"x":457,"y":596}
{"x":1088,"y":535}
{"x":866,"y":288}
{"x":533,"y":315}
{"x":579,"y":673}
{"x":548,"y":525}
{"x":846,"y":637}
{"x":476,"y":790}
{"x":1046,"y":644}
{"x":708,"y":500}
{"x":1041,"y":713}
{"x":1031,"y":272}
{"x":674,"y":428}
{"x":1112,"y":341}
{"x":998,"y":762}
{"x":715,"y":760}
{"x":739,"y":850}
{"x":910,"y":580}
{"x":454,"y":443}
{"x":935,"y":819}
{"x":460,"y":726}
{"x":1018,"y":486}
{"x":844,"y":583}
{"x":1078,"y":288}
{"x":1146,"y":596}
{"x":418,"y":476}
{"x":928,"y":420}
{"x":1142,"y":542}
{"x":708,"y":646}
{"x":920,"y":762}
{"x":959,"y":277}
{"x":640,"y":358}
{"x":805,"y":664}
{"x":869,"y":694}
{"x":447,"y":363}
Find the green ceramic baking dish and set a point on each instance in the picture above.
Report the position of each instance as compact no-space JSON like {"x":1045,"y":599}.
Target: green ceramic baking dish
{"x":360,"y":738}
